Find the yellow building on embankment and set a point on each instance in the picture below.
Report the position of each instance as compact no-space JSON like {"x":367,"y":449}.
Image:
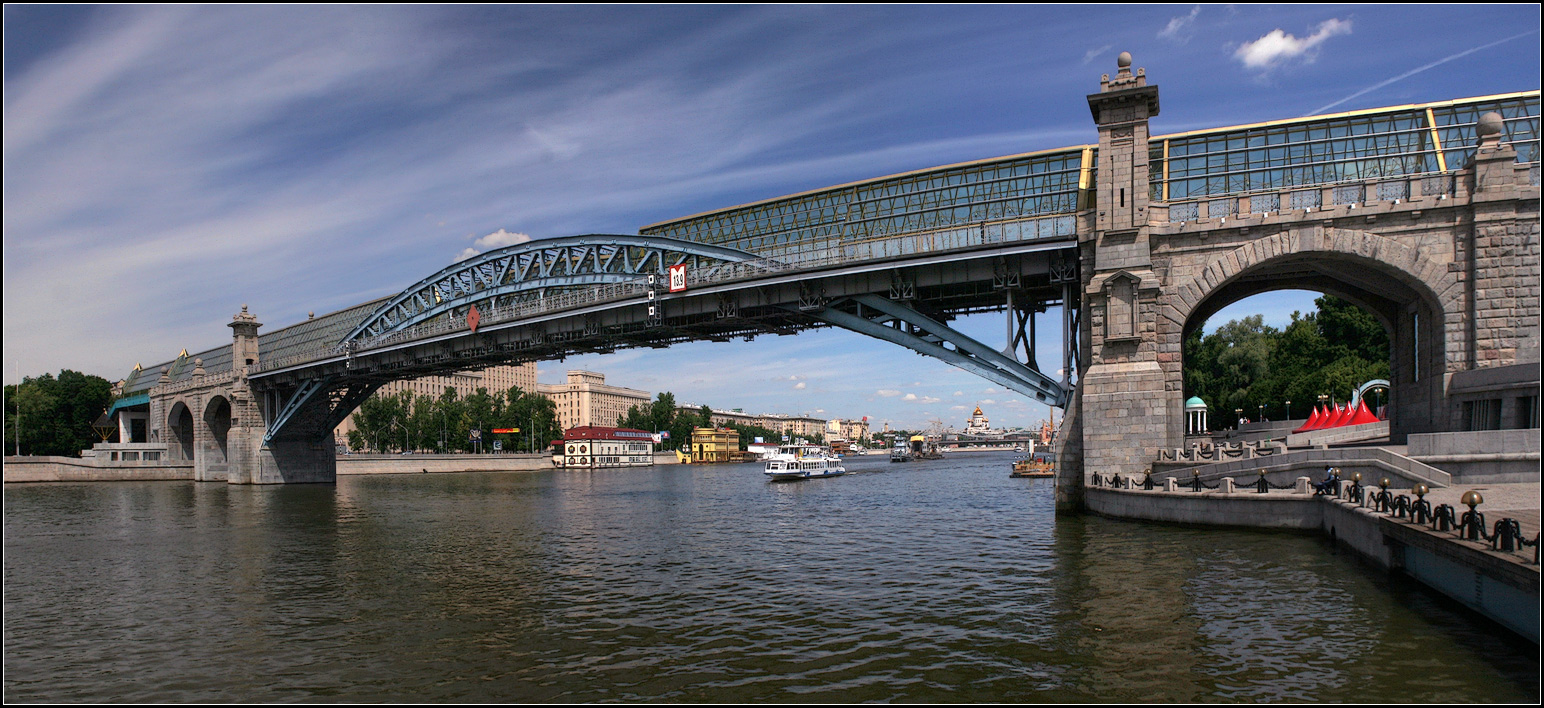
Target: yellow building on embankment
{"x":711,"y":445}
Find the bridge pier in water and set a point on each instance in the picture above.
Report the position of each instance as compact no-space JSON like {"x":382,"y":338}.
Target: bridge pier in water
{"x":221,"y":422}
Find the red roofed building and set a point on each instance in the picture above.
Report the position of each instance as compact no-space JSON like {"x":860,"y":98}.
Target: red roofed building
{"x":595,"y":447}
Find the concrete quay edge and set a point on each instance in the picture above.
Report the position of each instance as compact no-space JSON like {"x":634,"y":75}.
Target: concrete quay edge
{"x":1500,"y":586}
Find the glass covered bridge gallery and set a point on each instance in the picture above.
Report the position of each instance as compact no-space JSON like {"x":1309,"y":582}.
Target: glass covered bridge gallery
{"x":895,"y":257}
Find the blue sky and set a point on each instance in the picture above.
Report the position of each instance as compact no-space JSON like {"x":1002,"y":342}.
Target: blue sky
{"x":165,"y":165}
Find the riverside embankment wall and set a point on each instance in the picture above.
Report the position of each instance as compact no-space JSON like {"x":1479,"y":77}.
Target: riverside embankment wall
{"x":77,"y":469}
{"x":1481,"y":456}
{"x":47,"y":468}
{"x":1500,"y":586}
{"x":420,"y":464}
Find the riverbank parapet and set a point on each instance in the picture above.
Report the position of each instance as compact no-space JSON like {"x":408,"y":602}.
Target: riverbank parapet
{"x":1493,"y":570}
{"x":56,"y":468}
{"x":103,"y":468}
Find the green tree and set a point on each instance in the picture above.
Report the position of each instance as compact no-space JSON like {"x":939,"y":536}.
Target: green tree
{"x":382,"y":420}
{"x":477,"y":411}
{"x":535,"y":415}
{"x":55,"y":413}
{"x":427,"y":425}
{"x":1245,"y":364}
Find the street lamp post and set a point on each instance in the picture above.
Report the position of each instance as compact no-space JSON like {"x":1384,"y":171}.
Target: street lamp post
{"x":1289,"y":409}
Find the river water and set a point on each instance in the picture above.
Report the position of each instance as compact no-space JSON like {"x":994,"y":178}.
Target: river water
{"x":931,"y":581}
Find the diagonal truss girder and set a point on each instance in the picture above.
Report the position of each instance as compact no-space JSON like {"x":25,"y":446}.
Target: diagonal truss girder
{"x":318,"y":404}
{"x":594,"y":259}
{"x":894,"y":322}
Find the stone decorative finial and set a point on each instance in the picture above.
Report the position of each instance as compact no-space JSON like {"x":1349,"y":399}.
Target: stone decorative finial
{"x":1490,"y":124}
{"x":311,"y":315}
{"x":1489,"y":128}
{"x":198,"y":368}
{"x":166,"y":376}
{"x":1124,"y":79}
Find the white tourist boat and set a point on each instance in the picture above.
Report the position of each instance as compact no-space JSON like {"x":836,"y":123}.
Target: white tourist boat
{"x":801,"y":461}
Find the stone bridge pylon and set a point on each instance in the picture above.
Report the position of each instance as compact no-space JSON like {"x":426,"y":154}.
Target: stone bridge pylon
{"x":1448,"y":262}
{"x":221,"y":422}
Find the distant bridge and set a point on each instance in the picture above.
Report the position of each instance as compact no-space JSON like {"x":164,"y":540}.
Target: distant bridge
{"x":1426,"y":215}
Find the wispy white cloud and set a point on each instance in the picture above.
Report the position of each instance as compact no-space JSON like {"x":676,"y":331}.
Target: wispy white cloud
{"x":888,"y":393}
{"x":1093,"y":54}
{"x":800,"y":386}
{"x":1277,"y":46}
{"x":1178,"y":28}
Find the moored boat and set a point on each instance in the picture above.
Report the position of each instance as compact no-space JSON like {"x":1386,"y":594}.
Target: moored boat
{"x":1037,"y":465}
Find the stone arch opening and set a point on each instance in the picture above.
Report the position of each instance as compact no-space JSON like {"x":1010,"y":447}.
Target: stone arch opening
{"x":1411,"y":296}
{"x":217,"y":420}
{"x":1349,"y":343}
{"x":179,"y":422}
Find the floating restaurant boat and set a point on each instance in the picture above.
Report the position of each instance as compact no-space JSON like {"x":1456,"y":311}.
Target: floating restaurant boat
{"x":596,"y":447}
{"x":802,"y":461}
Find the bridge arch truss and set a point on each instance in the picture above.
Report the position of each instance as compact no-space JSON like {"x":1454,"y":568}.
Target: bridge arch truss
{"x":505,"y":275}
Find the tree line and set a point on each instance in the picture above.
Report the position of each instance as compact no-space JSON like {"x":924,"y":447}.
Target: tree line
{"x":409,"y":422}
{"x":1245,"y":364}
{"x":53,"y":416}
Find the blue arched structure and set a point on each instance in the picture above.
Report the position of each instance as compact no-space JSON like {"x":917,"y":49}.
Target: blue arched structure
{"x":508,"y":273}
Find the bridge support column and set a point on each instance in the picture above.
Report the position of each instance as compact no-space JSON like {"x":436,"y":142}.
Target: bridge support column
{"x":304,"y":457}
{"x":280,"y":461}
{"x":287,"y":461}
{"x":297,"y":462}
{"x":1124,"y":391}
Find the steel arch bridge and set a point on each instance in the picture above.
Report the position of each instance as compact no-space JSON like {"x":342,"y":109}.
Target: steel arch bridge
{"x":506,"y":275}
{"x":577,"y":278}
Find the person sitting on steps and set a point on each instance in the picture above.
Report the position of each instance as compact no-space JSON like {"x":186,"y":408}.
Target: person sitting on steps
{"x":1331,"y":484}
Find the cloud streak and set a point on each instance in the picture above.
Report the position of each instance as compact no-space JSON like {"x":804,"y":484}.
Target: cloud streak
{"x":1425,"y":67}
